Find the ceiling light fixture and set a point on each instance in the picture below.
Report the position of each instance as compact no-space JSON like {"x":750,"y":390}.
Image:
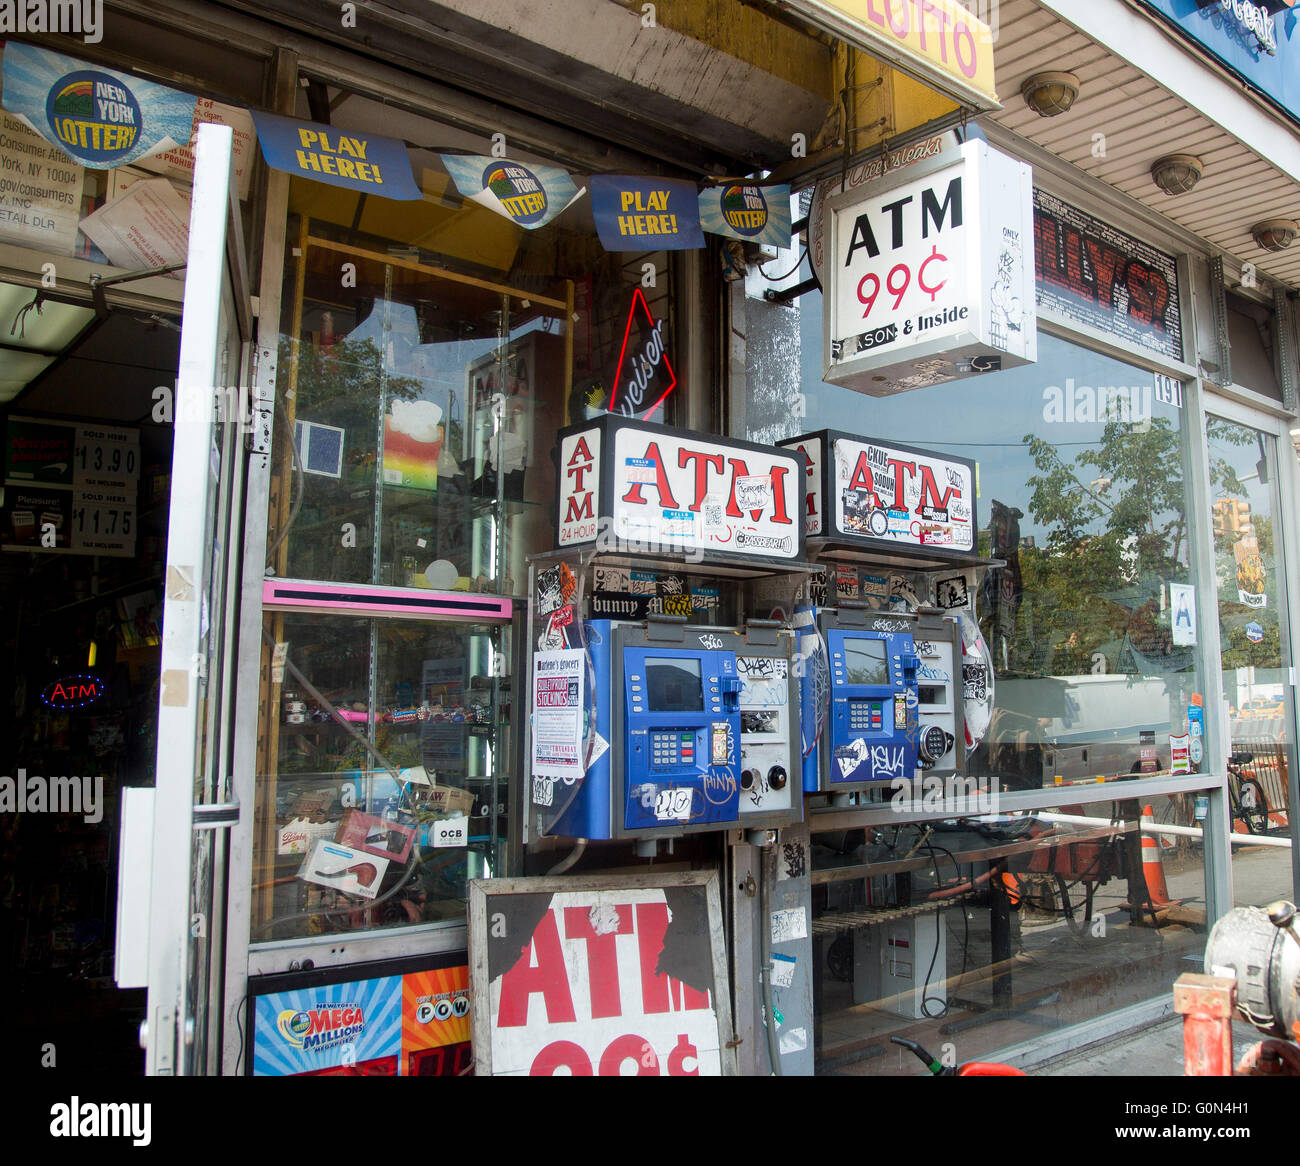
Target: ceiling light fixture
{"x":1177,"y":173}
{"x":1051,"y":93}
{"x":1275,"y":234}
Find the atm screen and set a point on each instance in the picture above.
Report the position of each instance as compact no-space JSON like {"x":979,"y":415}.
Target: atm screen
{"x":673,"y":686}
{"x":864,"y":662}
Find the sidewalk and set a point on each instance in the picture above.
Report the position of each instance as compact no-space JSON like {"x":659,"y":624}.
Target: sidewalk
{"x":1154,"y":1051}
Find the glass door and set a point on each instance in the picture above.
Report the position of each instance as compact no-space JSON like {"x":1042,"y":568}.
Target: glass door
{"x":192,"y":802}
{"x":1250,"y":556}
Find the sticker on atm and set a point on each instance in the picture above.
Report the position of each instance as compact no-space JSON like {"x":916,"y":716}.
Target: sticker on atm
{"x":642,"y":470}
{"x":900,"y":710}
{"x":721,"y":743}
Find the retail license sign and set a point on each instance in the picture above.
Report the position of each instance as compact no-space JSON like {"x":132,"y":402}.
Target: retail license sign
{"x":600,"y":976}
{"x":929,"y":274}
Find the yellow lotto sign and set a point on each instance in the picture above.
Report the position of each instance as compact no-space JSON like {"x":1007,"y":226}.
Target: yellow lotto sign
{"x":939,"y":40}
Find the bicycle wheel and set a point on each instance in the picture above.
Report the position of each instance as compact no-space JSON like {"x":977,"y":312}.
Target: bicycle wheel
{"x":1252,"y":805}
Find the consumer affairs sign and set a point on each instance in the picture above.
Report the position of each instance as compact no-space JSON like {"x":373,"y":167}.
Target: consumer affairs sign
{"x":930,"y":274}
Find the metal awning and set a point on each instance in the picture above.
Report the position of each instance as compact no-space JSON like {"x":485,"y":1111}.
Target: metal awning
{"x":1151,"y":94}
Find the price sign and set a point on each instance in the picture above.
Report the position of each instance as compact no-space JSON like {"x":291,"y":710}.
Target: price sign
{"x":87,"y":473}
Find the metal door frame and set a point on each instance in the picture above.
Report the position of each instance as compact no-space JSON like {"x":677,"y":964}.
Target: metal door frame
{"x":1285,"y":474}
{"x":215,"y":262}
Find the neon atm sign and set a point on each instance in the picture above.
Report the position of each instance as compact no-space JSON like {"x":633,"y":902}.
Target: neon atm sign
{"x":644,"y":371}
{"x":73,"y":692}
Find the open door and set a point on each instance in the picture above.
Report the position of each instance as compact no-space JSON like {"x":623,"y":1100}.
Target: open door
{"x":193,"y":807}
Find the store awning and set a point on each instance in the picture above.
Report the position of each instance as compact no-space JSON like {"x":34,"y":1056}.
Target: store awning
{"x":718,"y":96}
{"x":1146,"y":92}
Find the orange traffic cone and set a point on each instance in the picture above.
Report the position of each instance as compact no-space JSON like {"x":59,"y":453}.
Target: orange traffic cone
{"x":1153,"y":869}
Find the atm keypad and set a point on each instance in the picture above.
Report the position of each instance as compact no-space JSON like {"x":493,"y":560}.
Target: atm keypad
{"x":866,"y":716}
{"x":672,"y":749}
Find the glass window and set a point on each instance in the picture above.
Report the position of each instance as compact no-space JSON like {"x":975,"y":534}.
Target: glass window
{"x":968,"y":937}
{"x":1255,"y":654}
{"x":377,"y":816}
{"x":430,"y":351}
{"x":1082,"y":495}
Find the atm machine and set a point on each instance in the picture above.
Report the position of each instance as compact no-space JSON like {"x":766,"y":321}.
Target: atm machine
{"x":697,"y":727}
{"x":893,"y":707}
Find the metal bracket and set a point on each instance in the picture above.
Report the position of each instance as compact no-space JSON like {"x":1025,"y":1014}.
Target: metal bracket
{"x":785,"y":295}
{"x":671,"y":629}
{"x":98,"y":283}
{"x":763,"y":631}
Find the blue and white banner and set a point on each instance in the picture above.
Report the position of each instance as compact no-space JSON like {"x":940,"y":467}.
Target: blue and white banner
{"x":635,"y":213}
{"x":529,"y":196}
{"x":366,"y":162}
{"x":756,"y":214}
{"x":98,"y":117}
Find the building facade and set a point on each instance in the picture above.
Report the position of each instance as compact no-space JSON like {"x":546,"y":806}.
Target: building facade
{"x":322,"y":628}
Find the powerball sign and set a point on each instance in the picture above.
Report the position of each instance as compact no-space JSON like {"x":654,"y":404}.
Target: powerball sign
{"x":583,"y":984}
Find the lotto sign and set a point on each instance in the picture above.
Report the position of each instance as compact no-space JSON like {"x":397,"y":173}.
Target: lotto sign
{"x":600,"y":976}
{"x":308,"y":1030}
{"x":930,"y":274}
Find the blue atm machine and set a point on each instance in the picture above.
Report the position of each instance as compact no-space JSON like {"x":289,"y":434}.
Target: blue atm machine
{"x":695,"y":730}
{"x":889,"y":697}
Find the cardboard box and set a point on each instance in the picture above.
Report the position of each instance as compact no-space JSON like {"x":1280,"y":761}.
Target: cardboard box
{"x":381,"y":837}
{"x":298,"y":835}
{"x":352,"y":872}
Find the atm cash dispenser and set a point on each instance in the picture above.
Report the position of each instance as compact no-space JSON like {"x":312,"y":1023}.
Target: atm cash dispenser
{"x":698,"y":730}
{"x":892,"y":707}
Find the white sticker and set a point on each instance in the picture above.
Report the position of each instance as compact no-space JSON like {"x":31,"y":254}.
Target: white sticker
{"x":754,"y":492}
{"x":598,"y":750}
{"x":711,"y":513}
{"x":543,"y":791}
{"x":1182,"y":614}
{"x":789,"y":923}
{"x":793,"y":1040}
{"x":782,"y":970}
{"x":673,"y":805}
{"x":450,"y":832}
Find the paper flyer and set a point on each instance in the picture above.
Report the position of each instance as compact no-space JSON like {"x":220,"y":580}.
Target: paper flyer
{"x":558,"y":684}
{"x":148,"y":226}
{"x":178,"y":163}
{"x":40,"y":190}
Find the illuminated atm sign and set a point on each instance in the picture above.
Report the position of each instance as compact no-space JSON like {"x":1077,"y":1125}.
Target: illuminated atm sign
{"x":636,"y":488}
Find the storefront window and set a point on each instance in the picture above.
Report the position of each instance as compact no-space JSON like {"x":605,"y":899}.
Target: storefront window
{"x":431,"y":350}
{"x":970,"y":937}
{"x":343,"y":841}
{"x":1082,"y":496}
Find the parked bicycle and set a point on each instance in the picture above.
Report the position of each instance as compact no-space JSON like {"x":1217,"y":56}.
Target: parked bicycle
{"x":1245,"y":794}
